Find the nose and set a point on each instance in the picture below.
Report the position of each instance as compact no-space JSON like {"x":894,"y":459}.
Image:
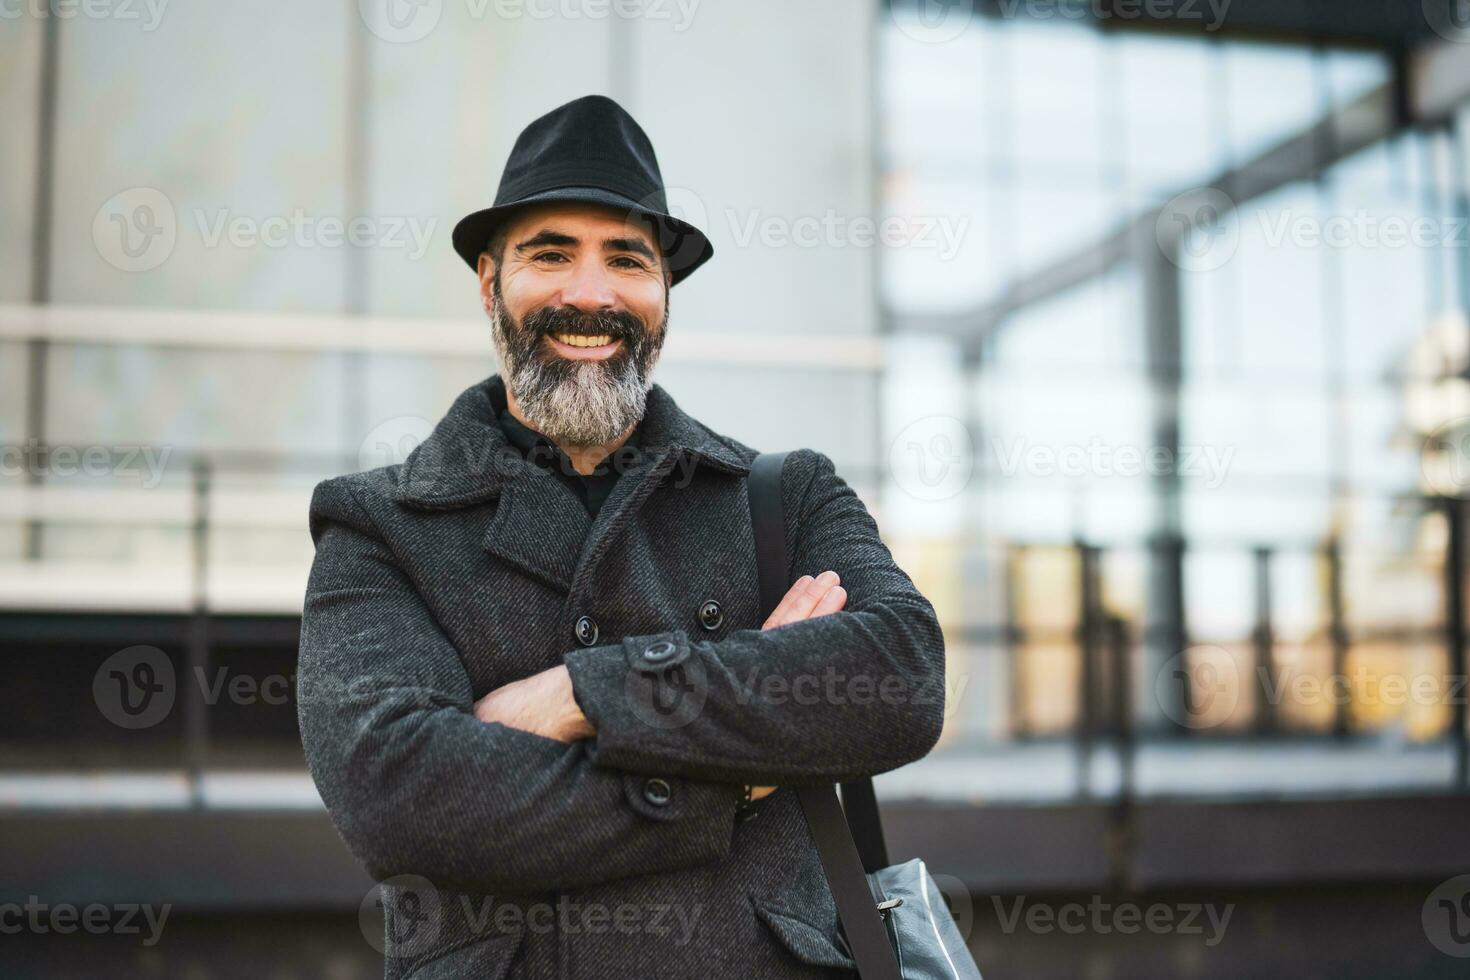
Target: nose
{"x":590,"y":288}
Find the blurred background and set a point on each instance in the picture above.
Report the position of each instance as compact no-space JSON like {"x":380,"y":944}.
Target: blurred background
{"x":1140,"y":325}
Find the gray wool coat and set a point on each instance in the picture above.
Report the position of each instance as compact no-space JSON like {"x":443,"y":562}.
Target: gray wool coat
{"x":507,"y":854}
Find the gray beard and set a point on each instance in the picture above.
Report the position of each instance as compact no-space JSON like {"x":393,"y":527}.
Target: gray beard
{"x":576,"y":403}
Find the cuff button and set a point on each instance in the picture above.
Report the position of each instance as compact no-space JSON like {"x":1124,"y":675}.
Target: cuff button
{"x":659,"y":652}
{"x":657,"y":791}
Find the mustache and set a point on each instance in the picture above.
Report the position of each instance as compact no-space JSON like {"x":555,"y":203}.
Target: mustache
{"x":619,"y":324}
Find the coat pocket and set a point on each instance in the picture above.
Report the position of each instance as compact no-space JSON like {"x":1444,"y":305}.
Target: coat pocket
{"x":483,"y":959}
{"x":804,"y":939}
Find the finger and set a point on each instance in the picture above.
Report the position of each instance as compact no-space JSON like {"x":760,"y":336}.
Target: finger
{"x":778,"y":615}
{"x":807,"y":597}
{"x":832,"y":602}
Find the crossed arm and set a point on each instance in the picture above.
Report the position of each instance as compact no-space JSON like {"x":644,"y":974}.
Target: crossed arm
{"x":545,"y":703}
{"x":421,"y":778}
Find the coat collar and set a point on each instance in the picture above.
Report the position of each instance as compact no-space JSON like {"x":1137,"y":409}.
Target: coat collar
{"x":467,"y":459}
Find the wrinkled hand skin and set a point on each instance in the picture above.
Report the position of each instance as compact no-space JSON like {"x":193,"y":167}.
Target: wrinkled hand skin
{"x":543,"y":703}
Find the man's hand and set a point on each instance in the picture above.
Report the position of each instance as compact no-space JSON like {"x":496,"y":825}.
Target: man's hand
{"x":807,"y":598}
{"x":541,"y":704}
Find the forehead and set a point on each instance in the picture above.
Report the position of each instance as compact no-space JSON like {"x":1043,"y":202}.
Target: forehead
{"x":581,"y":221}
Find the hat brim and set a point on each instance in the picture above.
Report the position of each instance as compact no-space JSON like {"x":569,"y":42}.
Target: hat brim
{"x":685,"y":247}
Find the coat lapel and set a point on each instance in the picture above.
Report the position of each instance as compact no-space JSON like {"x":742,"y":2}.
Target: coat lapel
{"x":539,"y":527}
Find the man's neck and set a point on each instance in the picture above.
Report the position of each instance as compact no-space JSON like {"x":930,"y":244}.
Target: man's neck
{"x":584,"y":458}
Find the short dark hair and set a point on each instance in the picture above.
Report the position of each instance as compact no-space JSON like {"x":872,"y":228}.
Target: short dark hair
{"x":496,"y":245}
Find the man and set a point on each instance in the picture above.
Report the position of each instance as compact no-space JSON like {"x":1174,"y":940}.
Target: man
{"x":537,"y":693}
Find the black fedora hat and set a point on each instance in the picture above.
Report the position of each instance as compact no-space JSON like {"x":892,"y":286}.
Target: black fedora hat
{"x":590,"y":151}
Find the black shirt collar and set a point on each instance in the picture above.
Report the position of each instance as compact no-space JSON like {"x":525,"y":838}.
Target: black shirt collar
{"x":542,"y":451}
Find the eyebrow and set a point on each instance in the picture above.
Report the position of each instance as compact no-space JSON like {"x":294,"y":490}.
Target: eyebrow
{"x":548,"y":237}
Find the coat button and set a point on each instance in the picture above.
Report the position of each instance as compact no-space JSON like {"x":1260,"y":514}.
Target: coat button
{"x":657,"y":791}
{"x":659,"y":652}
{"x":586,"y":630}
{"x":711,"y":615}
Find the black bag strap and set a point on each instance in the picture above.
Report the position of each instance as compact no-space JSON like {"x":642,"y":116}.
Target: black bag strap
{"x":836,"y":836}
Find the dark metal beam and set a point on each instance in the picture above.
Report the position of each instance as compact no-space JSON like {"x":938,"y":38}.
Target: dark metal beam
{"x":1377,"y":24}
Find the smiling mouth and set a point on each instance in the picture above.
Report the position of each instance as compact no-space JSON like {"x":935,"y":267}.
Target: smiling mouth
{"x":584,"y":346}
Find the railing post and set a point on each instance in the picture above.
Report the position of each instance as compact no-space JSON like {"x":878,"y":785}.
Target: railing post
{"x":196,"y":717}
{"x":1121,"y":830}
{"x":1014,"y":641}
{"x":1267,"y":720}
{"x":1454,"y":621}
{"x":1089,"y":642}
{"x":1337,"y":632}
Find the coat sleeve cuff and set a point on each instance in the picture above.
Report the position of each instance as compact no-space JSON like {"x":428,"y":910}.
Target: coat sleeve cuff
{"x":638,"y":694}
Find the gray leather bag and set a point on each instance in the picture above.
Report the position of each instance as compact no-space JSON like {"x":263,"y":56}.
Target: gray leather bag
{"x":895,"y":921}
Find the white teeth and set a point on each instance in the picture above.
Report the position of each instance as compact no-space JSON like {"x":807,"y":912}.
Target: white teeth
{"x":583,"y":341}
